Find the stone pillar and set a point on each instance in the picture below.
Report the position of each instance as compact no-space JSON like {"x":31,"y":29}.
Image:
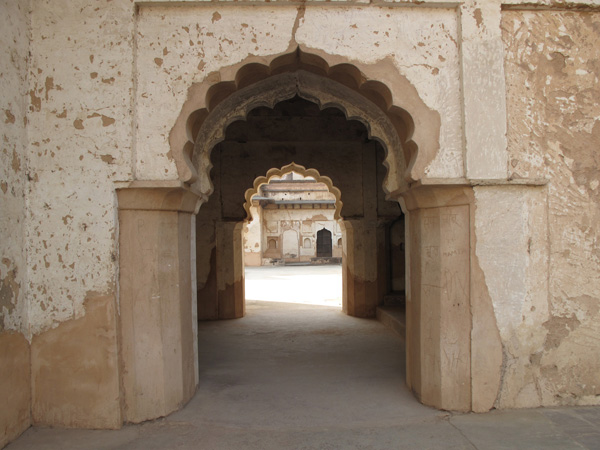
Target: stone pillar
{"x":230,"y":270}
{"x":157,"y":307}
{"x":438,"y":310}
{"x":383,"y":261}
{"x":359,"y":268}
{"x":222,"y":293}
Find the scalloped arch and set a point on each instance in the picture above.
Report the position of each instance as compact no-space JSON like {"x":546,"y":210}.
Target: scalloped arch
{"x":293,"y":167}
{"x":406,"y":128}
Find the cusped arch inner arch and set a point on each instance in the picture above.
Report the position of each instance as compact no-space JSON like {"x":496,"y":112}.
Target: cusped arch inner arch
{"x":210,"y":109}
{"x":323,"y":92}
{"x":276,"y":173}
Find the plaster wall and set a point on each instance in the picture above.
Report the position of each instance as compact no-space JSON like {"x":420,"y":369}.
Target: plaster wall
{"x":178,"y":46}
{"x":15,"y":377}
{"x":15,"y":386}
{"x":512,"y":250}
{"x":79,"y":127}
{"x":552,"y":69}
{"x":306,"y":222}
{"x":14,"y":45}
{"x":252,"y":237}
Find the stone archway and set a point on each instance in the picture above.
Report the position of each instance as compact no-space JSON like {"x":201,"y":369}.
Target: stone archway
{"x":407,"y":129}
{"x":293,"y":167}
{"x":447,"y":366}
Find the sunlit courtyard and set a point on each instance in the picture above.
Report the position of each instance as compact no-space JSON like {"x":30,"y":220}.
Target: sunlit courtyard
{"x":315,"y":285}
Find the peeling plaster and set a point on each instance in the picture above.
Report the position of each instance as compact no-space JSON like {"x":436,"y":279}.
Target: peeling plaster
{"x":77,"y":109}
{"x":14,"y":48}
{"x":552,"y":65}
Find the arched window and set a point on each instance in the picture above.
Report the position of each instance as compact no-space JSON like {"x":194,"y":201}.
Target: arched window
{"x":307,"y":243}
{"x":272,"y":244}
{"x":339,"y":242}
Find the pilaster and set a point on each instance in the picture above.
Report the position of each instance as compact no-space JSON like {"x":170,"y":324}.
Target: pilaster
{"x":158,"y":355}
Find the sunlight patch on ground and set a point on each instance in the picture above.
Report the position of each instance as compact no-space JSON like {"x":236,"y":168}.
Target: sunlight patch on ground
{"x":314,"y":285}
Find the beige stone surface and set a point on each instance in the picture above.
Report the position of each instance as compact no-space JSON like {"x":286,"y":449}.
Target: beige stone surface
{"x":252,"y":233}
{"x":75,"y":370}
{"x":15,"y":361}
{"x":80,"y":141}
{"x":483,"y":90}
{"x":552,"y":67}
{"x":14,"y":45}
{"x":158,"y":353}
{"x":512,"y":246}
{"x":359,"y":269}
{"x":230,"y":270}
{"x":419,"y":43}
{"x":439,"y":358}
{"x":15,"y":388}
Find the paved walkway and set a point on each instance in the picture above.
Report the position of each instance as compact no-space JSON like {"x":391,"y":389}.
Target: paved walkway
{"x":293,"y":376}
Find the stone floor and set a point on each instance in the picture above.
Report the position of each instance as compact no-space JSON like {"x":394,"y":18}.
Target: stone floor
{"x":297,"y":376}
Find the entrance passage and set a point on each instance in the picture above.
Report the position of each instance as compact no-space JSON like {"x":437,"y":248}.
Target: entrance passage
{"x":289,"y":375}
{"x":324,"y":243}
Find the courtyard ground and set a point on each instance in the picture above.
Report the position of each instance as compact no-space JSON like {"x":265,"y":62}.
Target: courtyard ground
{"x":315,"y":285}
{"x":303,"y":376}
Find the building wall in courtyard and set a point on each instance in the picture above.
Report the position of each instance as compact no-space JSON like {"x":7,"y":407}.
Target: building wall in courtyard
{"x":293,"y":204}
{"x":305,"y":223}
{"x":252,"y":237}
{"x":91,"y":93}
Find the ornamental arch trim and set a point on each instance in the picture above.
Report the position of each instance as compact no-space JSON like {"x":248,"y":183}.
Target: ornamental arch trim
{"x":279,"y":173}
{"x":406,"y":128}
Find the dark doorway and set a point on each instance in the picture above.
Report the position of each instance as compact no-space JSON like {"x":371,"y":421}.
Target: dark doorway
{"x":324,"y":244}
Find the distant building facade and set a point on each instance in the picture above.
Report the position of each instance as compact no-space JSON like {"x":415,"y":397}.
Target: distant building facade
{"x":292,"y":221}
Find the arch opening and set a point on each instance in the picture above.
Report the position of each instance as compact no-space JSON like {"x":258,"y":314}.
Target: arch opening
{"x":327,"y":142}
{"x":389,"y":118}
{"x":218,"y":165}
{"x":290,"y":205}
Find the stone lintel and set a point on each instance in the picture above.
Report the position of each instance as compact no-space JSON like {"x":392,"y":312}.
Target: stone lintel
{"x":436,"y":196}
{"x":158,"y":196}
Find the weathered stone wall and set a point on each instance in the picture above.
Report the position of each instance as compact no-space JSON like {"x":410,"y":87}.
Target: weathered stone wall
{"x":15,"y":384}
{"x":306,"y":223}
{"x":181,"y":45}
{"x":79,"y":131}
{"x":91,"y":90}
{"x":99,"y":72}
{"x":551,"y":345}
{"x":80,"y":126}
{"x":252,"y":238}
{"x":14,"y":47}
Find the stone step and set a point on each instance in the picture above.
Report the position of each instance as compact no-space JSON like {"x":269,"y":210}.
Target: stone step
{"x":394,"y":318}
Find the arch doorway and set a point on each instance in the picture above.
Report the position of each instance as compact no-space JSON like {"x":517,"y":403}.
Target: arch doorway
{"x":325,"y":140}
{"x":324,"y":247}
{"x":292,"y":204}
{"x":446,"y":297}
